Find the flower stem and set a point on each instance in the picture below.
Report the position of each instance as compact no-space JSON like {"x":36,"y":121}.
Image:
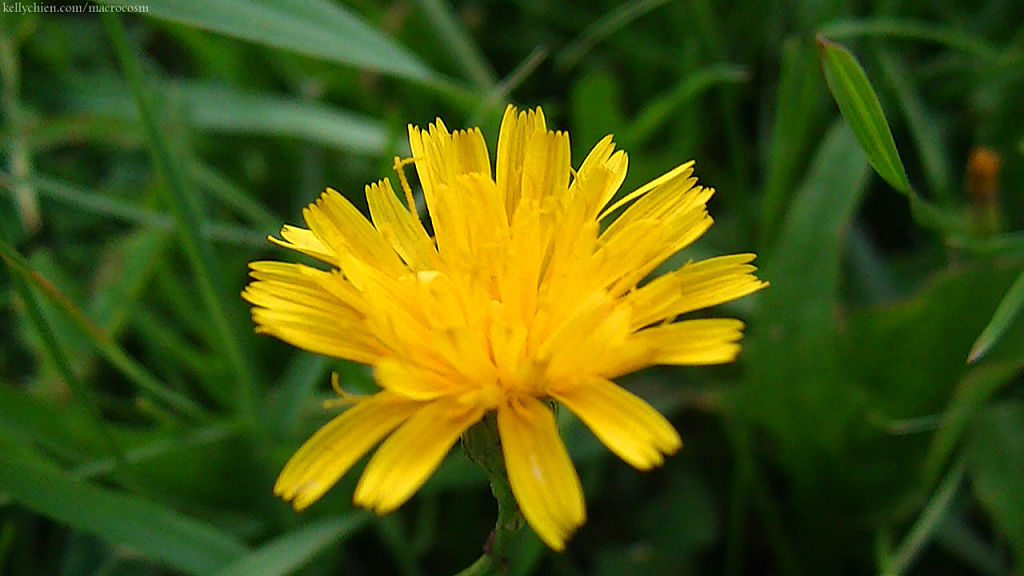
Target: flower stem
{"x":483,"y":445}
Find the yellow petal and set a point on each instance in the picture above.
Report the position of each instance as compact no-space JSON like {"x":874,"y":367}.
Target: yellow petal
{"x":415,"y":382}
{"x":399,"y":227}
{"x":679,"y":210}
{"x":469,"y":223}
{"x":532,"y":161}
{"x":587,"y":341}
{"x":695,"y":286}
{"x":691,"y":342}
{"x":442,"y":156}
{"x":683,"y":172}
{"x":410,"y":455}
{"x":343,"y":228}
{"x":329,"y":453}
{"x":627,"y":425}
{"x":291,"y":303}
{"x":599,"y":177}
{"x":305,"y":241}
{"x":542,"y":477}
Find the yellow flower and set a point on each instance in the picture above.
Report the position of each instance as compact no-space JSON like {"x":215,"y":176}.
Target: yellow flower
{"x":519,"y":297}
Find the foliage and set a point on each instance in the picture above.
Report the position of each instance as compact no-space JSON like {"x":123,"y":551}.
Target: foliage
{"x":147,"y":157}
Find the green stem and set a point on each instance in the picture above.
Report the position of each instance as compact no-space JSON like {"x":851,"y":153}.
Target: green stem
{"x":20,"y":154}
{"x":483,"y":445}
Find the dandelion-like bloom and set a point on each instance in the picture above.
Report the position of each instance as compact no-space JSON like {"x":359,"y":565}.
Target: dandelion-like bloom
{"x":520,"y":297}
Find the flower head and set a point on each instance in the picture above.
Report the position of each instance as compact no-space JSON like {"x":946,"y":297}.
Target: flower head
{"x":527,"y":291}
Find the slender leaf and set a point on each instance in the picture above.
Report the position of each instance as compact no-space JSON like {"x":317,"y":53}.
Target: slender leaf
{"x":188,"y":216}
{"x":922,"y":127}
{"x":95,"y":203}
{"x":660,"y":110}
{"x":151,"y":530}
{"x":458,"y":42}
{"x":859,"y":106}
{"x":614,"y":20}
{"x":314,"y":28}
{"x":995,"y":456}
{"x":85,"y":395}
{"x":973,"y":391}
{"x":800,"y":389}
{"x":903,"y":28}
{"x":67,"y":430}
{"x":799,"y":110}
{"x":107,"y":347}
{"x":926,"y":525}
{"x":1009,"y":309}
{"x":220,"y":108}
{"x":294,"y":549}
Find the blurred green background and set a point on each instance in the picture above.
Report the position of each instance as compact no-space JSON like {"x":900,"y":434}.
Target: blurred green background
{"x":147,"y":157}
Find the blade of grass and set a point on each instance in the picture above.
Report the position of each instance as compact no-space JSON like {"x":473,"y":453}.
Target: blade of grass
{"x":53,"y":349}
{"x":221,"y":108}
{"x":171,"y":442}
{"x":314,"y":28}
{"x":231,"y":195}
{"x":1008,"y":310}
{"x":188,"y":218}
{"x":20,"y":156}
{"x":456,"y":41}
{"x":972,"y":392}
{"x":288,"y":552}
{"x":113,"y":353}
{"x":492,"y":104}
{"x":798,"y":112}
{"x":660,"y":110}
{"x":155,"y":532}
{"x":925,"y":527}
{"x":861,"y":109}
{"x":922,"y":129}
{"x":799,"y":391}
{"x":295,"y":390}
{"x":906,"y":29}
{"x":134,"y":257}
{"x":214,"y":107}
{"x":604,"y":27}
{"x":54,"y":189}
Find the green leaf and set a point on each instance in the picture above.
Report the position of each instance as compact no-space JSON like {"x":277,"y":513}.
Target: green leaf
{"x":859,"y":106}
{"x":798,"y":387}
{"x":996,"y":465}
{"x":107,"y":347}
{"x":660,"y":110}
{"x":901,"y":28}
{"x":314,"y":28}
{"x":189,"y":217}
{"x":458,"y":42}
{"x":595,"y":107}
{"x":294,"y":549}
{"x":151,"y":530}
{"x":923,"y":129}
{"x":600,"y":29}
{"x":926,"y":525}
{"x":972,"y":393}
{"x":219,"y":108}
{"x":1009,"y":308}
{"x":800,"y":103}
{"x":67,"y":430}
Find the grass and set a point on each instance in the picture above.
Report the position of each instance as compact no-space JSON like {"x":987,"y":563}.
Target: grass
{"x":872,"y":424}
